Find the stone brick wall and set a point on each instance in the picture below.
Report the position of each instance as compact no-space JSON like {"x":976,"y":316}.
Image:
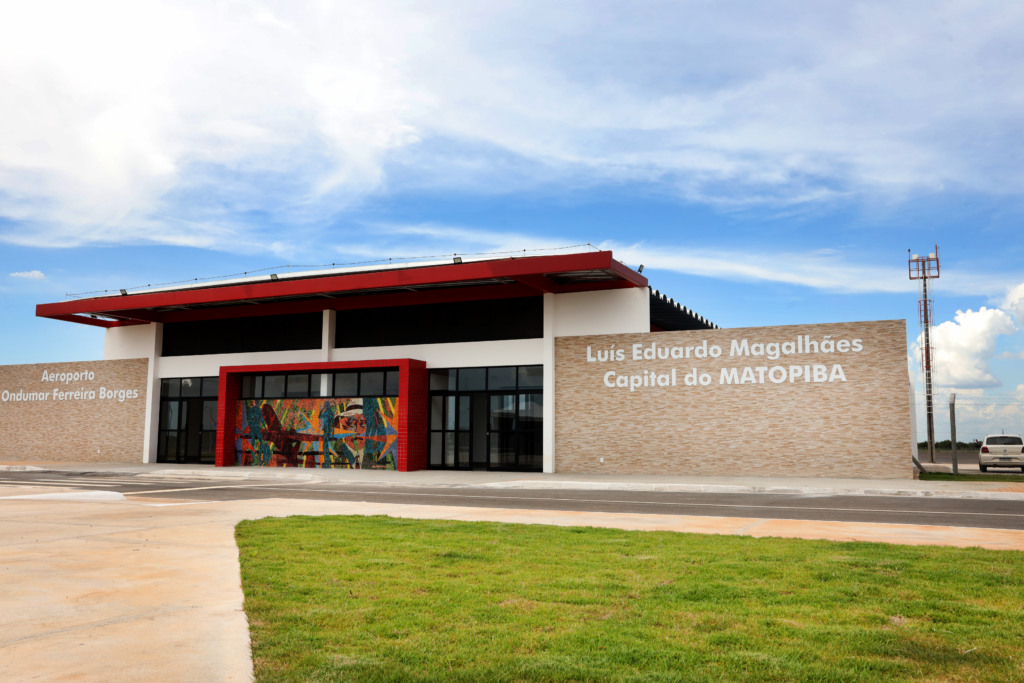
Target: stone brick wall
{"x":96,"y":412}
{"x":835,"y":409}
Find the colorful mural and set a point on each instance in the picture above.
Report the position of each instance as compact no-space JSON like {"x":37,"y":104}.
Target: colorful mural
{"x":351,"y":433}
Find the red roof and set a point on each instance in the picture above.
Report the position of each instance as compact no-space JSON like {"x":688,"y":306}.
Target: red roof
{"x":469,"y":281}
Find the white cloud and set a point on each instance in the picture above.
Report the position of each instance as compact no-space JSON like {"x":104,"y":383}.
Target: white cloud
{"x":421,"y":240}
{"x":963,"y":347}
{"x":824,"y":269}
{"x":30,"y":275}
{"x":170,"y":122}
{"x":1014,"y":302}
{"x":821,"y":269}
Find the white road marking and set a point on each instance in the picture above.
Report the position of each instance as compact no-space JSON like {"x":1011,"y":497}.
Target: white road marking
{"x":54,"y":482}
{"x":204,"y":488}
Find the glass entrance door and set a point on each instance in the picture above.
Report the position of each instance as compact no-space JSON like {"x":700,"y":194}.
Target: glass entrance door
{"x":502,"y":431}
{"x":486,"y":418}
{"x":188,"y":420}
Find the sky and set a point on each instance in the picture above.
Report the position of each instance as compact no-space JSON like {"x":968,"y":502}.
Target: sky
{"x":768,"y":163}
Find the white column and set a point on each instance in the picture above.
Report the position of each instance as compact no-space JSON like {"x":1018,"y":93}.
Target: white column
{"x":549,"y":383}
{"x":151,"y":433}
{"x":327,"y":335}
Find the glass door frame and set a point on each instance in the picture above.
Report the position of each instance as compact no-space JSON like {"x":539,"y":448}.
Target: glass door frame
{"x":188,"y":420}
{"x":466,"y":433}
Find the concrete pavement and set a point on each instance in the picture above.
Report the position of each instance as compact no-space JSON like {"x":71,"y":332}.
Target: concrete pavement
{"x":97,"y":587}
{"x":634,"y":482}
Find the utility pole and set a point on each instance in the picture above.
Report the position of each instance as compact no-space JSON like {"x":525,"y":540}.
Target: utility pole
{"x":952,"y":431}
{"x":924,"y":269}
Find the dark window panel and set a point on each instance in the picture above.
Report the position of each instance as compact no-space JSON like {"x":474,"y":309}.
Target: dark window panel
{"x":441,"y":380}
{"x":465,"y":321}
{"x":501,"y":378}
{"x":391,"y":383}
{"x":436,"y":444}
{"x":210,"y":415}
{"x":211,"y":387}
{"x":346,"y":384}
{"x":449,"y":450}
{"x":449,"y":422}
{"x":273,"y":386}
{"x":503,"y":412}
{"x":464,"y":412}
{"x":297,"y":386}
{"x":292,"y":332}
{"x":169,"y":445}
{"x":436,"y":412}
{"x":371,"y":383}
{"x":169,"y":414}
{"x":208,"y":447}
{"x":170,"y":387}
{"x":531,"y":406}
{"x":531,"y":376}
{"x":472,"y":379}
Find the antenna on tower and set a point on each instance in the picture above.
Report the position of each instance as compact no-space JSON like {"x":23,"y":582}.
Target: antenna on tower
{"x":925,"y":268}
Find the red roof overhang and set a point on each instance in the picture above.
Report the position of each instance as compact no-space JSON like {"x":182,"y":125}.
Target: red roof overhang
{"x":475,"y":280}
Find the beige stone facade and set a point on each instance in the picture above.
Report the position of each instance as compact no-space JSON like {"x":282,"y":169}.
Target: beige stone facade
{"x":73,"y":412}
{"x":828,"y":400}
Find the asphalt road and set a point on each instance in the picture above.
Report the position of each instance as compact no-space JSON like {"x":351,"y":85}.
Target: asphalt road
{"x":960,"y":512}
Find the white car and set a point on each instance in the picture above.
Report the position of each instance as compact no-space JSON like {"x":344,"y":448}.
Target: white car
{"x":1001,"y":450}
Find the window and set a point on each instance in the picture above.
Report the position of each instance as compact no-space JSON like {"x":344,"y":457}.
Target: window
{"x":292,"y":332}
{"x":188,"y":420}
{"x":487,"y":418}
{"x":1004,"y":441}
{"x":348,"y":383}
{"x":464,"y":321}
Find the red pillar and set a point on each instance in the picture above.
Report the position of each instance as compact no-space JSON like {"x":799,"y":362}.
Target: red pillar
{"x":413,"y":406}
{"x":230,"y":390}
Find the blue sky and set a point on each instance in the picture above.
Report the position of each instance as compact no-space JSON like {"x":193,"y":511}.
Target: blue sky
{"x":768,"y":163}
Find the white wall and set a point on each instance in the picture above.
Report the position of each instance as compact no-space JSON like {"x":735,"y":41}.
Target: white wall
{"x":141,"y":341}
{"x":611,"y":311}
{"x":132,"y":341}
{"x":209,"y":366}
{"x":461,"y":355}
{"x":467,"y":354}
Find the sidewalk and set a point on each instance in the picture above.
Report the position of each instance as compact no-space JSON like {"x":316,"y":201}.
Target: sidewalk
{"x":103,"y":587}
{"x":627,"y":482}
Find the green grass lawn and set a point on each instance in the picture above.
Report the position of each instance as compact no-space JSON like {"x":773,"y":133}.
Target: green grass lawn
{"x":942,"y":476}
{"x":383,"y":599}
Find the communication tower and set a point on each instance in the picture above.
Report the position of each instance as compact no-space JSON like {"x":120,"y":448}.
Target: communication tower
{"x":925,"y":268}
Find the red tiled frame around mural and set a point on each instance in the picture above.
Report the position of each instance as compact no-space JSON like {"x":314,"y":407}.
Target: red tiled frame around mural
{"x":412,"y":404}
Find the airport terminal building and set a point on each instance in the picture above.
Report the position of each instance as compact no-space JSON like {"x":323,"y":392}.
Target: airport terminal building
{"x":567,"y":363}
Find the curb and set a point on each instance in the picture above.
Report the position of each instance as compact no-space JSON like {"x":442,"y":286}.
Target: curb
{"x":733,"y":488}
{"x":303,"y":477}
